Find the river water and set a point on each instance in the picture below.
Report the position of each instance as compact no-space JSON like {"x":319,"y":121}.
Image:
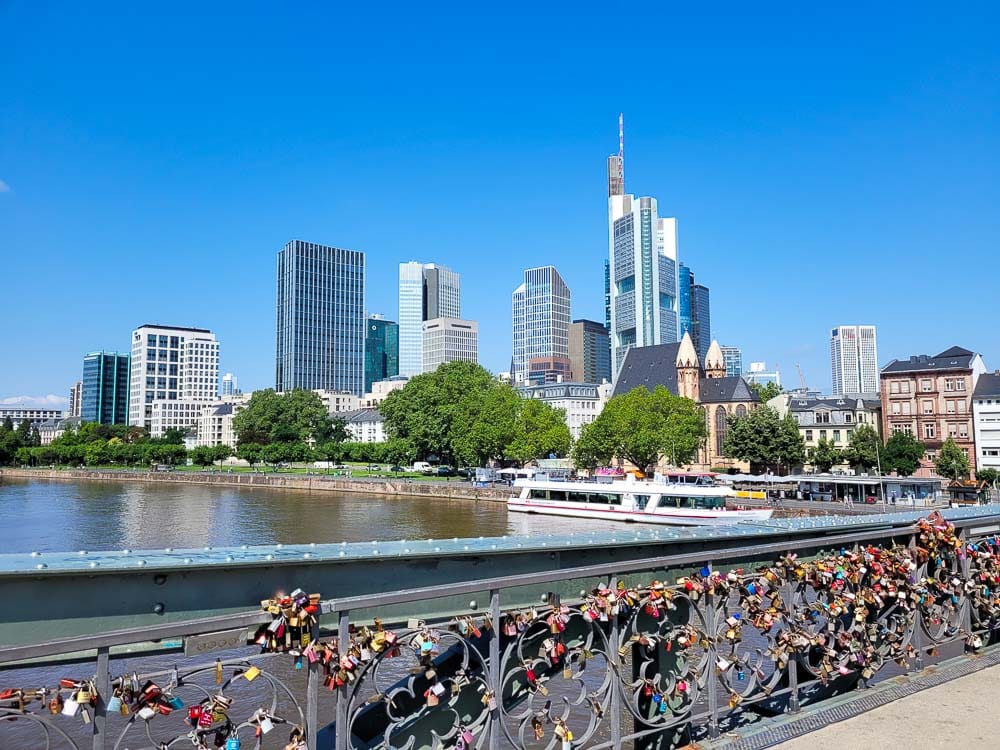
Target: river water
{"x":56,"y":515}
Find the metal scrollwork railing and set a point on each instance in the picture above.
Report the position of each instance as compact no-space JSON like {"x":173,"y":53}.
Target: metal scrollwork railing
{"x":633,"y":661}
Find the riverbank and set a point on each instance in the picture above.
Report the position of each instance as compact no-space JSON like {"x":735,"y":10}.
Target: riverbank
{"x":312,"y":483}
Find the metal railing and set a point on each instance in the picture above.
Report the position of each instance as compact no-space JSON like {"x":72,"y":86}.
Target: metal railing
{"x":630,"y":677}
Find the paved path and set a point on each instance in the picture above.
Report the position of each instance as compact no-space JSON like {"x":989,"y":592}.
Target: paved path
{"x":960,"y":714}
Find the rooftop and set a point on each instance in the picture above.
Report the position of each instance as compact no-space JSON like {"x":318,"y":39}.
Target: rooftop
{"x":955,"y":358}
{"x":173,"y":328}
{"x":988,"y":385}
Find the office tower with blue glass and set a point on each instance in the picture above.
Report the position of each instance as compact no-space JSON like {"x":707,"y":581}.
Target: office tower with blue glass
{"x":695,"y":311}
{"x":320,"y":330}
{"x":733,"y":357}
{"x":104,"y":395}
{"x":381,"y":350}
{"x":541,"y":314}
{"x":426,"y":291}
{"x":643,"y":276}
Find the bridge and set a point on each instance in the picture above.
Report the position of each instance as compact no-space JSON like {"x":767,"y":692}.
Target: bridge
{"x":620,"y":638}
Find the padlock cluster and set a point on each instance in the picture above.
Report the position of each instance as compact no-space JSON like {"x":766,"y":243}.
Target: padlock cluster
{"x":76,"y":698}
{"x":294,"y":624}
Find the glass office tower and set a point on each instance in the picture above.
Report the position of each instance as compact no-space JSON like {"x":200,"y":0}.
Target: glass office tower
{"x":105,"y":394}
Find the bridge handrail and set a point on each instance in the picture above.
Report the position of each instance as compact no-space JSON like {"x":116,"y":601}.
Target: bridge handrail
{"x":346,"y":604}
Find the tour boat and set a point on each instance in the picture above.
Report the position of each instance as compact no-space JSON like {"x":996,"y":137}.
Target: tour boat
{"x":689,"y":500}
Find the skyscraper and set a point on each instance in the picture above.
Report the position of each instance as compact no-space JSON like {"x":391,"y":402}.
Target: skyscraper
{"x":320,"y":318}
{"x":694,"y":311}
{"x":643,"y":266}
{"x":854,"y":360}
{"x":589,"y":351}
{"x":426,"y":291}
{"x":75,"y":397}
{"x":174,"y":373}
{"x":229,"y":385}
{"x":733,"y":358}
{"x":104,"y":395}
{"x":381,"y":350}
{"x":449,"y":340}
{"x":541,"y":311}
{"x":701,"y":320}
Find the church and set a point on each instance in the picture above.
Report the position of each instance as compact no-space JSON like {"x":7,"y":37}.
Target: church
{"x":677,"y":368}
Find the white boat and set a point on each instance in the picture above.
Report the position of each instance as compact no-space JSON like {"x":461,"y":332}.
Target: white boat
{"x":677,"y":500}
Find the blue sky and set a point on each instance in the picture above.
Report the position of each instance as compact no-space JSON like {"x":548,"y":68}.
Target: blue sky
{"x":827,"y":166}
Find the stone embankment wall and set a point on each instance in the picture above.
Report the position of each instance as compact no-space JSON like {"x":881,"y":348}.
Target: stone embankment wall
{"x":399,"y":487}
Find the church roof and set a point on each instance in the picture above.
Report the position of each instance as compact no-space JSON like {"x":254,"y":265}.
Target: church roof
{"x":686,"y":353}
{"x":714,"y":359}
{"x":650,"y":366}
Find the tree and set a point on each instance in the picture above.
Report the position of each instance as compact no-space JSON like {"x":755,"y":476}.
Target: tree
{"x":864,"y":449}
{"x":765,"y":440}
{"x":540,"y":431}
{"x":766,"y":391}
{"x":433,"y":410}
{"x":399,"y":452}
{"x":24,"y":456}
{"x":490,"y":430}
{"x":902,"y":454}
{"x":990,"y":476}
{"x":824,"y":456}
{"x":641,"y":426}
{"x":202,"y":455}
{"x":221,"y":452}
{"x":250,"y":452}
{"x":952,"y":462}
{"x":295,"y":416}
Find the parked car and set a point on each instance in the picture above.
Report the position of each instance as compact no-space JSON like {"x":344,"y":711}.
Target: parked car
{"x":445,"y":471}
{"x":396,"y":469}
{"x":466,"y":473}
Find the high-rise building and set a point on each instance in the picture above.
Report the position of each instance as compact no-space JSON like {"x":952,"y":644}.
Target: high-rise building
{"x":449,"y":340}
{"x":104,"y":396}
{"x":75,"y":395}
{"x":733,"y":358}
{"x":229,"y":386}
{"x":381,"y":350}
{"x":426,"y":291}
{"x":551,"y":369}
{"x":643,"y":266}
{"x":607,"y":296}
{"x":541,"y":308}
{"x":589,"y":351}
{"x":694,"y":311}
{"x":321,"y":318}
{"x":854,"y":360}
{"x":174,"y":373}
{"x":701,"y":320}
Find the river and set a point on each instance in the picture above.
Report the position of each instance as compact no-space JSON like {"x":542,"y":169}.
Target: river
{"x":56,"y":515}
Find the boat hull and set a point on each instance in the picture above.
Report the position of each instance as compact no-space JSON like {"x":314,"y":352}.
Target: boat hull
{"x":668,"y":517}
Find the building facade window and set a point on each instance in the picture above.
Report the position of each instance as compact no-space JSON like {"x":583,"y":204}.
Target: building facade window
{"x":929,"y":431}
{"x":721,"y":426}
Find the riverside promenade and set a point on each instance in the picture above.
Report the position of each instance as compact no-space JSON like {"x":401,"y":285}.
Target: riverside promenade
{"x":960,"y":714}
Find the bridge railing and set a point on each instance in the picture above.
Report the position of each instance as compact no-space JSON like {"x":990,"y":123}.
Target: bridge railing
{"x":636,"y":659}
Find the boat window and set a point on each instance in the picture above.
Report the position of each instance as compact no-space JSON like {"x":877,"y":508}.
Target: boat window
{"x":605,"y":498}
{"x":557,"y":495}
{"x":670,"y":501}
{"x":577,"y":497}
{"x":537,"y":494}
{"x":641,"y":501}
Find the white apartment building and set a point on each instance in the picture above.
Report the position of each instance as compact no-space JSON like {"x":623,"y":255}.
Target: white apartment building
{"x":381,"y":389}
{"x":449,"y":340}
{"x":364,"y":425}
{"x":986,"y":420}
{"x":582,"y":402}
{"x":175,"y":372}
{"x":18,"y":414}
{"x":339,"y":401}
{"x":854,"y":360}
{"x":426,"y":291}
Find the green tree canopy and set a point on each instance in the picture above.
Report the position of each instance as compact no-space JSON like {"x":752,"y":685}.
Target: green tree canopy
{"x":824,"y":456}
{"x":864,"y":449}
{"x":990,"y":476}
{"x":433,"y":410}
{"x":766,"y":391}
{"x":488,"y":432}
{"x":902,"y":454}
{"x":294,"y":416}
{"x":540,"y":431}
{"x":952,"y":462}
{"x":641,"y":426}
{"x":765,"y":440}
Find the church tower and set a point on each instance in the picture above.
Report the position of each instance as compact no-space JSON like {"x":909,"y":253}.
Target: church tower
{"x":715,"y":363}
{"x":688,"y":369}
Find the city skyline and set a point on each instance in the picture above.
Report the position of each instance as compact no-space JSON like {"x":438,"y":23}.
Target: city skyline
{"x":757,"y":185}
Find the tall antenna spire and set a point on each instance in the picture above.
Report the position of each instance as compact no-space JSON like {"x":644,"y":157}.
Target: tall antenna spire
{"x":621,"y":149}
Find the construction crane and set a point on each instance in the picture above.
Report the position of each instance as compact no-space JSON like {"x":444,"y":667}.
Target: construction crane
{"x":802,"y":378}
